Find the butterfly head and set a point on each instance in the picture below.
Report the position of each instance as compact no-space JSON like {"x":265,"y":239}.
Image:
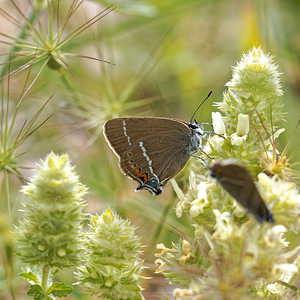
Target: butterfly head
{"x":197,"y":129}
{"x":215,"y":170}
{"x":266,"y":218}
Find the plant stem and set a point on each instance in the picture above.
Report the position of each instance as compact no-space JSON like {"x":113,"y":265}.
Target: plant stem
{"x":76,"y":97}
{"x":6,"y":185}
{"x":45,"y":275}
{"x":11,"y":290}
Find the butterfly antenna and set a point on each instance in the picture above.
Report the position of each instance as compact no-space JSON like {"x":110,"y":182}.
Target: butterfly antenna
{"x":200,"y":106}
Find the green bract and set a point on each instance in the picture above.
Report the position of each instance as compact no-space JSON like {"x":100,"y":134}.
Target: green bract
{"x":112,"y":268}
{"x":49,"y":232}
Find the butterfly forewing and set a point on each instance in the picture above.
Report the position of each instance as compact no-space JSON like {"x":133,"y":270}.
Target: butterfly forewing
{"x":149,"y":148}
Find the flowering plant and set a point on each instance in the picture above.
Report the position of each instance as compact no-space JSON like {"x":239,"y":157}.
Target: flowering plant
{"x":231,"y":255}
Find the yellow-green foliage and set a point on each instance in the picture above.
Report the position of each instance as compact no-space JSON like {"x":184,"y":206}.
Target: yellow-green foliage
{"x":113,"y":265}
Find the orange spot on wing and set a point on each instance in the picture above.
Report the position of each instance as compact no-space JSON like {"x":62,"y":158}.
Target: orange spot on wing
{"x":144,"y":177}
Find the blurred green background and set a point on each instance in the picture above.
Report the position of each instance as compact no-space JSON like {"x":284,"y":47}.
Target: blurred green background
{"x":166,"y":56}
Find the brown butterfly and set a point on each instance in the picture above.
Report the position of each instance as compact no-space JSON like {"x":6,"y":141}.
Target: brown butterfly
{"x":238,"y":182}
{"x":153,"y":150}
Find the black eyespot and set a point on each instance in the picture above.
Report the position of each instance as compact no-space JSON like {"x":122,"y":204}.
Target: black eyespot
{"x":131,"y":161}
{"x":152,"y":182}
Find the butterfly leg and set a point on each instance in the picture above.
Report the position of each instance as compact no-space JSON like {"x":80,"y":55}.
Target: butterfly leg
{"x":201,"y":160}
{"x":205,"y":153}
{"x":212,"y":132}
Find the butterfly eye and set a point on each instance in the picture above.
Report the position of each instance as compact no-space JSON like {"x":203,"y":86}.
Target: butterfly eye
{"x":216,"y":173}
{"x":213,"y":174}
{"x":268,"y":218}
{"x":193,"y":126}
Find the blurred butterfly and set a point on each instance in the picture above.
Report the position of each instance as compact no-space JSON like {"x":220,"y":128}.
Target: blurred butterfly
{"x":238,"y":182}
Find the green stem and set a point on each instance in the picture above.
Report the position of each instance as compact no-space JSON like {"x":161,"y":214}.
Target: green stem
{"x":76,"y":97}
{"x":6,"y":185}
{"x":287,"y":285}
{"x":11,"y":289}
{"x":6,"y":253}
{"x":163,"y":219}
{"x":45,"y":275}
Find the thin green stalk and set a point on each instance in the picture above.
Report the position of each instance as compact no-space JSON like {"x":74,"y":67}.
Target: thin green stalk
{"x":2,"y":117}
{"x":22,"y":35}
{"x":12,"y":123}
{"x":10,"y":279}
{"x":51,"y":16}
{"x":290,"y":286}
{"x":76,"y":97}
{"x":12,"y":293}
{"x":5,"y":133}
{"x":29,"y":23}
{"x":71,"y":11}
{"x":45,"y":275}
{"x":6,"y":184}
{"x":8,"y":269}
{"x":84,"y":26}
{"x":163,"y":218}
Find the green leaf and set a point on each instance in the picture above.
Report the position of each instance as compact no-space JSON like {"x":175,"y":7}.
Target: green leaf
{"x":30,"y":277}
{"x":60,"y":289}
{"x":36,"y":292}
